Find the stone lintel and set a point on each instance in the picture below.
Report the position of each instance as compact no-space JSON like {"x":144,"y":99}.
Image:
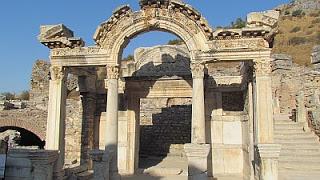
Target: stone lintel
{"x":269,"y":151}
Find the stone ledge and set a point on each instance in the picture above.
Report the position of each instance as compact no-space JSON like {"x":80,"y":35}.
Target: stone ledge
{"x":270,"y":151}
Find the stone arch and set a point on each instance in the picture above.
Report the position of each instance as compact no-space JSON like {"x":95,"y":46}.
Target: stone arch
{"x":27,"y":125}
{"x":167,"y":15}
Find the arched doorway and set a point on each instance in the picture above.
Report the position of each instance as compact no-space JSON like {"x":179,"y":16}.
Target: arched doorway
{"x":27,"y":138}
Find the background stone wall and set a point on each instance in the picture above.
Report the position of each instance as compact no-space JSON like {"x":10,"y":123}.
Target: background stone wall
{"x":165,"y":125}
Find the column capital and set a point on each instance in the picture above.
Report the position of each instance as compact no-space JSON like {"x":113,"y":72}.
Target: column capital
{"x":262,"y":67}
{"x":113,"y":71}
{"x":269,"y":151}
{"x":197,"y":69}
{"x":57,"y":72}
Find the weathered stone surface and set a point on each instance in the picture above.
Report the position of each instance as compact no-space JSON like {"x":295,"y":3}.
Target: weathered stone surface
{"x":315,"y":56}
{"x":264,"y":19}
{"x":58,"y":36}
{"x":281,"y":61}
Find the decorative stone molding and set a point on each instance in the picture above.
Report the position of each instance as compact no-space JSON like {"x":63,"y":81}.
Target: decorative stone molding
{"x":57,"y":73}
{"x":197,"y":70}
{"x":234,"y":44}
{"x":269,"y":151}
{"x":262,"y":68}
{"x":58,"y":36}
{"x":113,"y":72}
{"x":78,"y":51}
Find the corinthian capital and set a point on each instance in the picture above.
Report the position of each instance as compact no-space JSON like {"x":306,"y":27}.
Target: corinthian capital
{"x":197,"y":70}
{"x":113,"y":72}
{"x":57,"y":72}
{"x":262,"y":68}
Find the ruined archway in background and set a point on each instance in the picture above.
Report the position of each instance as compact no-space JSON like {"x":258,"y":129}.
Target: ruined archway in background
{"x":27,"y":125}
{"x":170,"y":16}
{"x":27,"y":138}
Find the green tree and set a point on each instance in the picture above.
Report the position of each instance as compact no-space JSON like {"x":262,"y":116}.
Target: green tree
{"x":175,"y":42}
{"x":9,"y":95}
{"x":239,"y":23}
{"x":24,"y":95}
{"x":128,"y":58}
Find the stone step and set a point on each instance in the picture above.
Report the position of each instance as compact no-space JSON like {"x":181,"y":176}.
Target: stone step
{"x":297,"y":138}
{"x":282,"y":117}
{"x":294,"y":135}
{"x":298,"y":165}
{"x":298,"y":142}
{"x":286,"y":122}
{"x":291,"y":146}
{"x":314,"y":151}
{"x":298,"y":175}
{"x":301,"y":158}
{"x":288,"y":126}
{"x":289,"y":131}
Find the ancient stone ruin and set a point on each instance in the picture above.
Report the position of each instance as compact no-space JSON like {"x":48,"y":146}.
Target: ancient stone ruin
{"x":218,"y":106}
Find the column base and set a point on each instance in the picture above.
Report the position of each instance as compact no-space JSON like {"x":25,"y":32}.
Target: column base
{"x":197,"y":155}
{"x":100,"y":165}
{"x":269,"y":155}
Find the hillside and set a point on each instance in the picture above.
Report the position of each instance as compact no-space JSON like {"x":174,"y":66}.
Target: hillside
{"x":299,"y":30}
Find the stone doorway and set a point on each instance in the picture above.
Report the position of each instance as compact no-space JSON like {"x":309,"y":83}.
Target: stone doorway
{"x":165,"y":126}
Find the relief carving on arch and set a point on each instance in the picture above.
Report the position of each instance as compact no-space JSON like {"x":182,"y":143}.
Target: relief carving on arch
{"x":180,"y":14}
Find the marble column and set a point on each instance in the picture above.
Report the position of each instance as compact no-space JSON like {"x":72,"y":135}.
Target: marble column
{"x":55,"y":135}
{"x":197,"y":152}
{"x":198,"y":111}
{"x":111,"y":139}
{"x":263,"y":117}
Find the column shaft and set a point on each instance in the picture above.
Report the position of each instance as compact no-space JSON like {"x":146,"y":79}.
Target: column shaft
{"x":55,"y":135}
{"x":198,"y":109}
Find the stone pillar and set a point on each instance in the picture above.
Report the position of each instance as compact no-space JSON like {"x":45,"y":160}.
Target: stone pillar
{"x":198,"y":110}
{"x":197,"y":152}
{"x":302,"y":110}
{"x":269,"y":155}
{"x":264,"y":120}
{"x":111,"y":139}
{"x":55,"y":135}
{"x":100,"y":165}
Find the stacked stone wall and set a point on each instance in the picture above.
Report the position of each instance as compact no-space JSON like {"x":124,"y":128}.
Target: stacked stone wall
{"x":165,"y":125}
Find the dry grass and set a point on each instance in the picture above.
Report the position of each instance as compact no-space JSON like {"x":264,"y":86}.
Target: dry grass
{"x":299,"y":52}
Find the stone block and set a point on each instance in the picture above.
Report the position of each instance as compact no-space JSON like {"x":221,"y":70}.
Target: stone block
{"x":281,"y":61}
{"x":315,"y":56}
{"x":232,"y":132}
{"x":266,"y":18}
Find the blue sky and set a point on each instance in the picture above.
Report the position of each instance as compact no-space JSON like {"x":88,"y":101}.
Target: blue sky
{"x":20,"y":21}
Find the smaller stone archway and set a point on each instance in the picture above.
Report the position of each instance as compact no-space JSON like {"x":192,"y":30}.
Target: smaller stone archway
{"x":27,"y":125}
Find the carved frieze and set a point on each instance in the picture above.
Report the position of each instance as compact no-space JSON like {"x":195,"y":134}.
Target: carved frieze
{"x":253,"y":43}
{"x":80,"y":51}
{"x":197,"y":70}
{"x":262,"y":67}
{"x":113,"y":72}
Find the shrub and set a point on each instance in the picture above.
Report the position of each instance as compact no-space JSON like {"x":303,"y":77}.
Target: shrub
{"x":24,"y":95}
{"x":295,"y":29}
{"x":287,"y":13}
{"x":297,"y":13}
{"x":239,"y":23}
{"x":311,"y":26}
{"x":128,"y":58}
{"x":315,"y":21}
{"x":175,"y":42}
{"x":9,"y":95}
{"x":297,"y":40}
{"x":315,"y":14}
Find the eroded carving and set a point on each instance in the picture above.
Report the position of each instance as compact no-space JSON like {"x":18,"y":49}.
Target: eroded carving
{"x":113,"y":72}
{"x":262,"y":67}
{"x":57,"y":73}
{"x":79,"y":51}
{"x":197,"y":70}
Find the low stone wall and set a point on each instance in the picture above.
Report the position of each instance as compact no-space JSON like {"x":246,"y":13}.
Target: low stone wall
{"x":28,"y":164}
